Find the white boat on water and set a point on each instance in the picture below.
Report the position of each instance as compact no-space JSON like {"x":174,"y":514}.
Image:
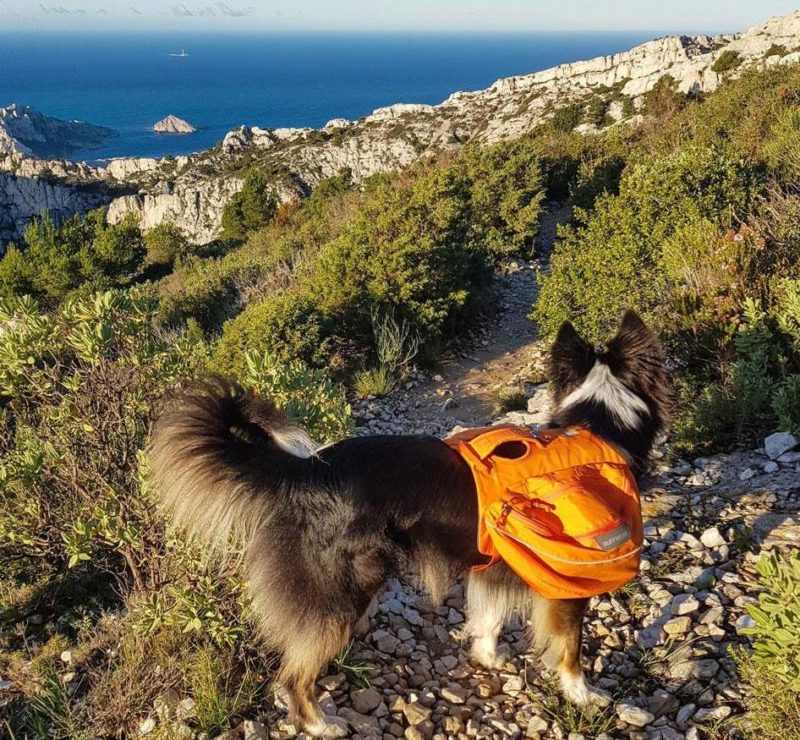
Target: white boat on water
{"x":183,"y":53}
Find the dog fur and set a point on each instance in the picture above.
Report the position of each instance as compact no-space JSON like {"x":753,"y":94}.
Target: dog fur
{"x":322,"y":531}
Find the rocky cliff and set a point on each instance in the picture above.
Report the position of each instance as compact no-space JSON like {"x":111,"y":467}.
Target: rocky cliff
{"x":191,"y":191}
{"x":27,"y":132}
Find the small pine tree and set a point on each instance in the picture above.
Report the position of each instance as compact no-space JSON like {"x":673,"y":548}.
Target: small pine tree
{"x":249,"y":209}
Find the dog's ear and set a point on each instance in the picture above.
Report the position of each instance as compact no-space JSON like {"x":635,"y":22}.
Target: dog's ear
{"x":636,"y":357}
{"x":633,"y":345}
{"x":571,"y":359}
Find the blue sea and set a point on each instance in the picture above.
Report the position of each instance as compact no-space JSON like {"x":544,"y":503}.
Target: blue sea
{"x":129,"y":81}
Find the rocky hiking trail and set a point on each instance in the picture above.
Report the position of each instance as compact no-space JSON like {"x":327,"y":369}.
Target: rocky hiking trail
{"x":505,"y":355}
{"x":661,"y":645}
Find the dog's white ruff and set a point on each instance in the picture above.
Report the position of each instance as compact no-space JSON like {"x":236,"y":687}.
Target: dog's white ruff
{"x":601,"y":386}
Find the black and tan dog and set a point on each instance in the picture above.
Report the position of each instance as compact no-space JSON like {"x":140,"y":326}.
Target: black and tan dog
{"x":323,"y":529}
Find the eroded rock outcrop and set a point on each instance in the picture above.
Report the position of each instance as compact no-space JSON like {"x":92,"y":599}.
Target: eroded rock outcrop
{"x":27,"y":132}
{"x":173,"y":125}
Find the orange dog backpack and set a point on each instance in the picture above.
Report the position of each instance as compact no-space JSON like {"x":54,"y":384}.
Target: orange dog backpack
{"x":559,"y":506}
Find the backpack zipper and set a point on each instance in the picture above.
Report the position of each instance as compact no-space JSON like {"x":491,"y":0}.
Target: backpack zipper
{"x":544,"y":554}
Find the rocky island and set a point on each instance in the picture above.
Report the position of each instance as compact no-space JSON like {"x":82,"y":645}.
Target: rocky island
{"x":173,"y":125}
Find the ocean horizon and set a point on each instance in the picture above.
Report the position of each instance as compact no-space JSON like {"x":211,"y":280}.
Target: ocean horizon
{"x":129,"y":81}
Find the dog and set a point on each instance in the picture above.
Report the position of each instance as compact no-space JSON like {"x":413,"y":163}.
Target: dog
{"x":323,"y":528}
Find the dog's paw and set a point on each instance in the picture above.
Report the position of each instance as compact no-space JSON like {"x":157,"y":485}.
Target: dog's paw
{"x":579,"y":692}
{"x":486,"y":655}
{"x":599,"y":698}
{"x":328,"y":728}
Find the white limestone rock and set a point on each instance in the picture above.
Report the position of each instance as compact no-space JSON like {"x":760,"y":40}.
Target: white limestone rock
{"x":776,"y":444}
{"x":173,"y":125}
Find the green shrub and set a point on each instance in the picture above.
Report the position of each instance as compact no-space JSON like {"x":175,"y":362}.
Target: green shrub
{"x":785,"y":404}
{"x":14,"y":274}
{"x":628,"y":107}
{"x":406,"y":251}
{"x":597,"y":111}
{"x":664,"y":99}
{"x":305,"y":394}
{"x":115,"y":253}
{"x":599,"y":169}
{"x":773,"y":711}
{"x":728,"y":60}
{"x":706,"y":419}
{"x":787,"y":309}
{"x":84,"y":252}
{"x":512,"y":399}
{"x":611,"y":259}
{"x":215,"y":289}
{"x":79,"y":388}
{"x":506,"y":195}
{"x":776,"y":636}
{"x":753,"y":375}
{"x":249,"y":209}
{"x":288,"y":326}
{"x":753,"y":395}
{"x":567,"y":117}
{"x":782,"y":146}
{"x":395,"y":345}
{"x":776,"y":50}
{"x":376,"y":382}
{"x":165,"y":243}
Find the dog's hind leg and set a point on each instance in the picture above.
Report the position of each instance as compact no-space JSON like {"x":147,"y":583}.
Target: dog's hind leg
{"x":305,"y":654}
{"x":491,"y":597}
{"x":557,"y":635}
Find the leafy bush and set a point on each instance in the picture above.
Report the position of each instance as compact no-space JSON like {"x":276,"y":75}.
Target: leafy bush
{"x":663,"y":100}
{"x":395,"y":348}
{"x":84,"y":252}
{"x":567,"y":117}
{"x":407,"y":251}
{"x":79,"y":386}
{"x":288,"y":326}
{"x":776,"y":50}
{"x":619,"y":244}
{"x":165,"y":243}
{"x":728,"y":60}
{"x":306,"y":395}
{"x":376,"y":382}
{"x":773,"y":670}
{"x":756,"y":392}
{"x":249,"y":209}
{"x":782,"y":147}
{"x":506,"y":196}
{"x":215,"y":289}
{"x":596,"y":111}
{"x":395,"y":345}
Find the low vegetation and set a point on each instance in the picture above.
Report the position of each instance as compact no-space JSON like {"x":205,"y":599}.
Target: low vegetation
{"x":728,"y":60}
{"x":772,"y":670}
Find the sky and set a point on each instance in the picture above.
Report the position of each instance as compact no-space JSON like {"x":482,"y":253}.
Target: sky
{"x":668,"y":16}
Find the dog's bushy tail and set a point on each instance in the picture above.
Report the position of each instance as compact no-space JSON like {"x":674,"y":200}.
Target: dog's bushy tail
{"x":210,"y":454}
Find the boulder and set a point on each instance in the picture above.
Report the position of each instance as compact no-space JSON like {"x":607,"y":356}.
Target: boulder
{"x":777,"y":444}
